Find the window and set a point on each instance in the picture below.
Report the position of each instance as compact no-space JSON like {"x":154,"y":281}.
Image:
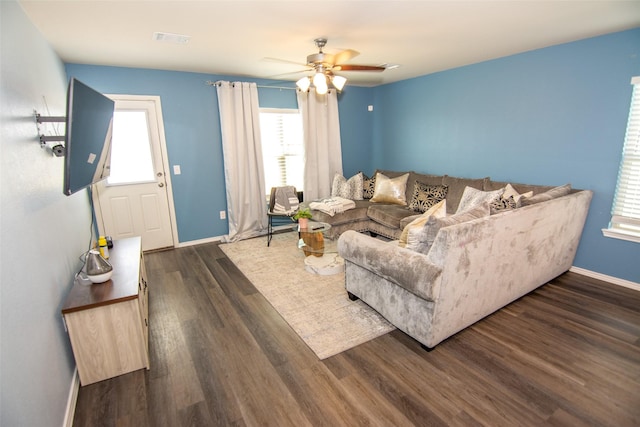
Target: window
{"x":131,"y":161}
{"x":282,"y":148}
{"x":625,"y":220}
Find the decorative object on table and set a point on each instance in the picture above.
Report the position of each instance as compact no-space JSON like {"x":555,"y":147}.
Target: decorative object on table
{"x":97,"y":268}
{"x":302,"y":216}
{"x":104,"y":248}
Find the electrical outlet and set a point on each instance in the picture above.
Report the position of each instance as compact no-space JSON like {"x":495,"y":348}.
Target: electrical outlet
{"x":223,"y":215}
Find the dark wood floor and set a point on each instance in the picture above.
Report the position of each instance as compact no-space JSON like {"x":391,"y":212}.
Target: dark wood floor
{"x":566,"y":354}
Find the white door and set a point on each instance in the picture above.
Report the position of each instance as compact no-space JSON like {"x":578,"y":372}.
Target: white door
{"x":136,"y":198}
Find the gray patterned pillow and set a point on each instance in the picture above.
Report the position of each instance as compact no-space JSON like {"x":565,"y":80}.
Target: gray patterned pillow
{"x":368,"y":186}
{"x":347,"y":188}
{"x":425,"y":196}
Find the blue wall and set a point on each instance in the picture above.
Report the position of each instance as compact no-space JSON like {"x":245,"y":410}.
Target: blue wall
{"x":192,"y":131}
{"x":548,"y":116}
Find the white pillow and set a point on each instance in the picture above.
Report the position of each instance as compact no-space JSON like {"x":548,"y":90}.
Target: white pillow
{"x":347,"y":188}
{"x":473,"y":197}
{"x":510,"y":191}
{"x":410,"y":232}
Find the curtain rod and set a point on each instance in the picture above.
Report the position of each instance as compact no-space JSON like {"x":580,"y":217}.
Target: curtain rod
{"x":210,"y":83}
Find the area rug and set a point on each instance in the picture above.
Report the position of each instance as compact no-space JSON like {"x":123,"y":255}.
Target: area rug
{"x":316,"y":307}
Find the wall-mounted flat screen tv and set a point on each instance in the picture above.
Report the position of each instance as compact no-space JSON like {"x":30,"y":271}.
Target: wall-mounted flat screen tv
{"x":88,"y":137}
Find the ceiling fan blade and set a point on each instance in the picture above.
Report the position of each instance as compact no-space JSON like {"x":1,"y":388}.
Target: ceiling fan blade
{"x":288,"y":74}
{"x":283,"y":61}
{"x":345,"y":55}
{"x":352,"y":67}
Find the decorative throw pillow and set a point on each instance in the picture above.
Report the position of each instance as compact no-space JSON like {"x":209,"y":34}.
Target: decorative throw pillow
{"x":368,"y":187}
{"x":425,"y":196}
{"x":347,"y":188}
{"x":473,"y":197}
{"x":438,"y":210}
{"x":427,"y":235}
{"x":390,"y":190}
{"x":510,"y":199}
{"x":556,"y":192}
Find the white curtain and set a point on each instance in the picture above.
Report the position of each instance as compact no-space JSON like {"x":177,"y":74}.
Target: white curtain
{"x":243,"y":167}
{"x":322,"y":146}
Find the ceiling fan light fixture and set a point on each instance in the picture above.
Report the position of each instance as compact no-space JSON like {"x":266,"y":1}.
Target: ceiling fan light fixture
{"x":304,"y":83}
{"x":338,"y":82}
{"x":319,"y":79}
{"x":320,"y":83}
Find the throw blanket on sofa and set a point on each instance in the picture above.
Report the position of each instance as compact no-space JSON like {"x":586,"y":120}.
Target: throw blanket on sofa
{"x":333,"y":205}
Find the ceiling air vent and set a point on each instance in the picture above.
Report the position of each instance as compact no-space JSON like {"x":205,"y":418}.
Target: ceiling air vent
{"x":171,"y":38}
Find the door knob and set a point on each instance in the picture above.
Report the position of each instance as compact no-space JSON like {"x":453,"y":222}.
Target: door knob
{"x":161,"y":184}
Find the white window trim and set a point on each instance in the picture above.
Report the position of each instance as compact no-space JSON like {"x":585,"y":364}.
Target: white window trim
{"x":619,"y":234}
{"x":614,"y":231}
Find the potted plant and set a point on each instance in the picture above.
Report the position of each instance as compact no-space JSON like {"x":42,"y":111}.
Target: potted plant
{"x":302,"y":216}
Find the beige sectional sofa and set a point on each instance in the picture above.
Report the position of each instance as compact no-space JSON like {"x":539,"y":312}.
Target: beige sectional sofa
{"x":471,"y":268}
{"x":390,"y":219}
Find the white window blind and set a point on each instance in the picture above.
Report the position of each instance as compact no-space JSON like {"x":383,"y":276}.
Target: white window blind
{"x":625,"y":220}
{"x":282,"y":148}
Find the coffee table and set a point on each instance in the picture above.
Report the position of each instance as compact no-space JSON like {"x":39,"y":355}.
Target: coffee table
{"x":311,"y":239}
{"x":319,"y":259}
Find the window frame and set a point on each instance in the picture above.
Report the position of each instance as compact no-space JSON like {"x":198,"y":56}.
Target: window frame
{"x":631,"y":145}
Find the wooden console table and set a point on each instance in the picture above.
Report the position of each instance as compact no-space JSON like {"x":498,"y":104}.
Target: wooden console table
{"x":108,"y":322}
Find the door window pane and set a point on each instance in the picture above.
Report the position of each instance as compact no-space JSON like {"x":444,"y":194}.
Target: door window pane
{"x":131,"y":160}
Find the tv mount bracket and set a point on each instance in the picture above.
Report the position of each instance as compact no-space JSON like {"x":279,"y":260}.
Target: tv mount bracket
{"x":57,"y":149}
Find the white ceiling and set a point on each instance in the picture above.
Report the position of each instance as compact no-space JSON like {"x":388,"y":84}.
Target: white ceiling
{"x":235,"y":37}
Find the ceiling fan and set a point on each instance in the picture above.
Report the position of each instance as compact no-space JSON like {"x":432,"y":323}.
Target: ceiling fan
{"x":325,"y":64}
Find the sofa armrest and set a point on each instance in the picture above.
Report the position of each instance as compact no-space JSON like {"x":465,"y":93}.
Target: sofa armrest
{"x":406,"y":268}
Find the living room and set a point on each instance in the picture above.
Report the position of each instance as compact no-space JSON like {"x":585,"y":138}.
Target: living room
{"x":547,"y":116}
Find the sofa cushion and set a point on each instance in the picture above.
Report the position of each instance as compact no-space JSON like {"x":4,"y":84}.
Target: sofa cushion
{"x":424,"y":196}
{"x":456,"y":188}
{"x":556,"y":192}
{"x":347,"y":188}
{"x":427,"y":235}
{"x":438,"y":210}
{"x":390,"y":190}
{"x":351,"y":215}
{"x":388,"y":215}
{"x":425,"y":177}
{"x":520,"y":188}
{"x":368,"y":186}
{"x":473,"y":197}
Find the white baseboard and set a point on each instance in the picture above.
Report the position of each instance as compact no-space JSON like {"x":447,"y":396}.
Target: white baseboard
{"x":220,"y":238}
{"x":72,"y":400}
{"x":613,"y":280}
{"x":199,"y":242}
